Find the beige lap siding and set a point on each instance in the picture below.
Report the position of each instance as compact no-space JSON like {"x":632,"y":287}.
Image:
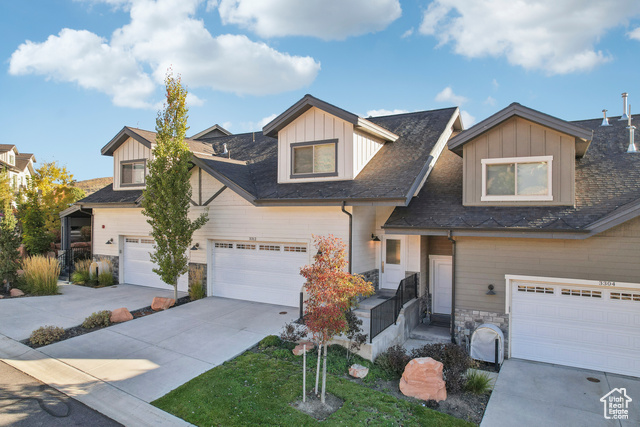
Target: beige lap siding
{"x":611,"y":255}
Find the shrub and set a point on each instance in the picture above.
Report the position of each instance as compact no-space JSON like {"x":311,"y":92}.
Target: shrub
{"x":196,"y":291}
{"x":85,"y":233}
{"x":105,"y":278}
{"x":478,"y":382}
{"x":455,"y":360}
{"x":269,"y":341}
{"x":82,"y":275}
{"x":46,"y":335}
{"x":354,"y":333}
{"x":393,"y":361}
{"x":41,"y":275}
{"x":283,"y":353}
{"x":98,"y":319}
{"x":293,"y":332}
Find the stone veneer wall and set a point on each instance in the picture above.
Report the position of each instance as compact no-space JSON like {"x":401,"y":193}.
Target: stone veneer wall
{"x":192,"y":268}
{"x":468,"y":320}
{"x":372,"y":276}
{"x":115,"y":262}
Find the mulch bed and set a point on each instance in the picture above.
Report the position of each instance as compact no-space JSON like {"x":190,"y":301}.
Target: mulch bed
{"x":76,"y":331}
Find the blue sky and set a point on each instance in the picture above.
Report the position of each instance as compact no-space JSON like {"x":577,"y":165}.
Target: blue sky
{"x":76,"y":71}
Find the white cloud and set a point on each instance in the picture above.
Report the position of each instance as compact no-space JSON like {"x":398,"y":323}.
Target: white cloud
{"x":634,"y":34}
{"x":162,"y":34}
{"x":383,"y":112}
{"x":86,"y":59}
{"x":467,"y":119}
{"x":194,"y":101}
{"x":324,"y":19}
{"x":407,"y":33}
{"x":447,"y":95}
{"x":256,"y":126}
{"x":490,"y":101}
{"x":495,"y":84}
{"x":556,"y":36}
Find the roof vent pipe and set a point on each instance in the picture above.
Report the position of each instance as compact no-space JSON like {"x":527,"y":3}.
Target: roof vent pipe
{"x":605,"y":120}
{"x":624,"y":106}
{"x":225,"y":151}
{"x":632,"y":129}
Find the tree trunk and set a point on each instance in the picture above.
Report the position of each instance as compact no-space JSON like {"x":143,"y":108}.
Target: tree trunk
{"x":175,"y":290}
{"x":324,"y":375}
{"x":318,"y":367}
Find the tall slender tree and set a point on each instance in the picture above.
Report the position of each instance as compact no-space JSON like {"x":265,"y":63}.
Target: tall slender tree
{"x":9,"y":244}
{"x":167,"y":195}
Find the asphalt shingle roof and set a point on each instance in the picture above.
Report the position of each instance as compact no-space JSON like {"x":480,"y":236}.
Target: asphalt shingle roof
{"x":390,"y":174}
{"x":607,"y":178}
{"x":109,"y":195}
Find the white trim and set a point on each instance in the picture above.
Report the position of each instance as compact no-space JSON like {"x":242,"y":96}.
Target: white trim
{"x":508,"y":198}
{"x":510,"y":278}
{"x":433,"y":259}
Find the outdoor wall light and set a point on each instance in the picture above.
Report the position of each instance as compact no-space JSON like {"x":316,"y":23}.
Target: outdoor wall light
{"x":491,"y":291}
{"x":196,"y":247}
{"x":374,"y":238}
{"x":109,"y":242}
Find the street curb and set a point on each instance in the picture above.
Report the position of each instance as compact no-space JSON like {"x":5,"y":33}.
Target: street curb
{"x":91,"y":391}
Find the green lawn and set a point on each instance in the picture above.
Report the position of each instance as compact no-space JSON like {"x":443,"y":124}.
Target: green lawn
{"x":256,"y":389}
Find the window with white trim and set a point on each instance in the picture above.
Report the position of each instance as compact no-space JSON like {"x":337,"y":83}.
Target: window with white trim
{"x":517,"y":179}
{"x":312,"y":159}
{"x":132,"y":172}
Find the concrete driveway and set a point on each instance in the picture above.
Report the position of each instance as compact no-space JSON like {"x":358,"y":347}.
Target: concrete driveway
{"x":150,"y":356}
{"x":539,"y":394}
{"x":20,"y":316}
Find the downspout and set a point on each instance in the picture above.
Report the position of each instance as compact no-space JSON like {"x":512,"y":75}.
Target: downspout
{"x":453,"y":285}
{"x":350,"y":232}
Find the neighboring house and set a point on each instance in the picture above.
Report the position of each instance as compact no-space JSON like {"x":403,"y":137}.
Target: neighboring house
{"x":19,"y":165}
{"x":544,"y":214}
{"x":314,"y":170}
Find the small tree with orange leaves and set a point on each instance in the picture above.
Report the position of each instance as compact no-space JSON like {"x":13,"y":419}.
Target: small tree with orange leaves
{"x":331,"y":291}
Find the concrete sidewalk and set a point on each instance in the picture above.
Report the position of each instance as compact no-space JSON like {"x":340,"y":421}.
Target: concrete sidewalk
{"x":540,"y":394}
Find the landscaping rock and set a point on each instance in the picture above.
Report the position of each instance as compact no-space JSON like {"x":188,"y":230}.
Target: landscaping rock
{"x":120,"y":315}
{"x":160,"y":303}
{"x":358,"y":371}
{"x":299,"y":350}
{"x":422,"y":379}
{"x":15,"y":292}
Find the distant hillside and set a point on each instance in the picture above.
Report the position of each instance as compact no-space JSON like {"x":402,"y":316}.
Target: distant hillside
{"x":90,"y":186}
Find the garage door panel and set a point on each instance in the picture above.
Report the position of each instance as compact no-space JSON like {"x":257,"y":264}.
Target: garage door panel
{"x":138,"y":267}
{"x":260,"y":271}
{"x":576,"y":326}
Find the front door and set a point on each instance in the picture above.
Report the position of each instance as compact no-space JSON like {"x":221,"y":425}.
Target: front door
{"x":440,"y":283}
{"x":393,"y":254}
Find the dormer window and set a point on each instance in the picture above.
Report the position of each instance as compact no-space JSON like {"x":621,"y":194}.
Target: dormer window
{"x":517,"y":179}
{"x":12,"y":159}
{"x":132,"y":172}
{"x":314,"y":159}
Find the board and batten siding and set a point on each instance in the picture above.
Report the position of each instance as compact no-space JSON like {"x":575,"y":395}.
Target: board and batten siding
{"x":612,"y":255}
{"x":518,"y":137}
{"x":364,"y":148}
{"x":129,"y":150}
{"x":316,"y":125}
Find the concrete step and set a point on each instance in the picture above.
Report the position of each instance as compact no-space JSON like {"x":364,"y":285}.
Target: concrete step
{"x":430,"y":333}
{"x":362,"y":313}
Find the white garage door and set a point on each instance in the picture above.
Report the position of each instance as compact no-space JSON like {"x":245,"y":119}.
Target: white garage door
{"x":263,"y":272}
{"x":590,"y":327}
{"x":138,"y":268}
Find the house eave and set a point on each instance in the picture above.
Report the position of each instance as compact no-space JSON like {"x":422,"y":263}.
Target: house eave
{"x":497,"y":233}
{"x":120,"y":138}
{"x":582,"y":136}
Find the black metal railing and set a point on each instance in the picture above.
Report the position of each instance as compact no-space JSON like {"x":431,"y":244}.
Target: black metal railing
{"x":68,"y":258}
{"x":386,"y":314}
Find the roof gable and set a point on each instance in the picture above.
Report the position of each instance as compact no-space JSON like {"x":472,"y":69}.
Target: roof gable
{"x":307,"y":102}
{"x":125,"y":134}
{"x":582,"y":136}
{"x":213,"y":131}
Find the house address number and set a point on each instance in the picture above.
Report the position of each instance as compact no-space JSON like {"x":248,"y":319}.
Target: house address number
{"x":607,"y":283}
{"x":252,"y":239}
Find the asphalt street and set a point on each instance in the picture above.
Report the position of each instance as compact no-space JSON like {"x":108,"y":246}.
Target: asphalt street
{"x":25,"y":401}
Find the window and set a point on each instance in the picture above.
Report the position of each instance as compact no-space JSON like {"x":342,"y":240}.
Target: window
{"x":314,"y":159}
{"x":295,"y":249}
{"x":133,"y":172}
{"x":393,"y":251}
{"x":517,"y":178}
{"x":12,"y":159}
